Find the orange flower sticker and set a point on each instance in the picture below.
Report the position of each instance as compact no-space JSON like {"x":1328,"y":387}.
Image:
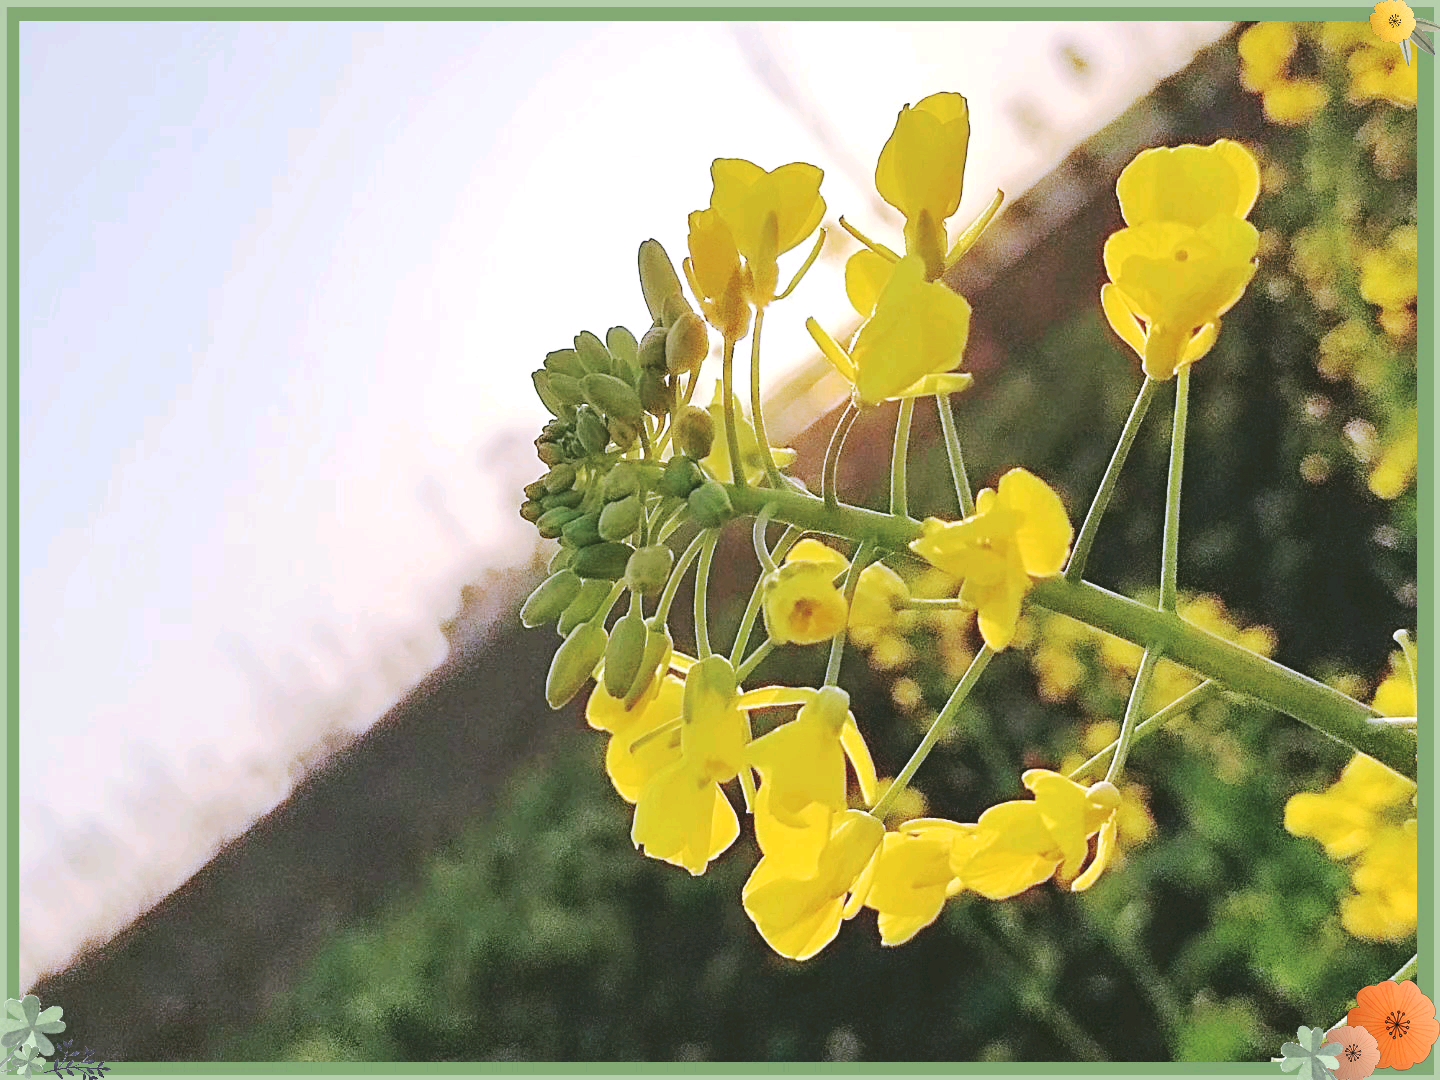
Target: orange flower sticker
{"x":1359,"y":1052}
{"x":1401,"y":1018}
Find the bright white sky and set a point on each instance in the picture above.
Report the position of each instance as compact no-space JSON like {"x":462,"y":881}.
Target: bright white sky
{"x":282,"y":288}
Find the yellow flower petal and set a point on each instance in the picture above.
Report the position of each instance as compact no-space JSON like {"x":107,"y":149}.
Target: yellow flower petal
{"x":1014,"y":851}
{"x":802,"y":604}
{"x":921,"y":171}
{"x":810,"y":550}
{"x":919,"y":328}
{"x":1104,"y":851}
{"x":866,"y":275}
{"x":853,"y":743}
{"x":1189,"y":185}
{"x":1044,"y":534}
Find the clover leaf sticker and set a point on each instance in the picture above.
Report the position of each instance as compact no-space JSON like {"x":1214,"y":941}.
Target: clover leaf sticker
{"x":27,"y":1061}
{"x":1312,"y":1056}
{"x":26,"y":1025}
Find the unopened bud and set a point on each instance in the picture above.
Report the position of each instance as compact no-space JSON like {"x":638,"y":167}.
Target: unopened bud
{"x":532,"y":510}
{"x":658,"y":280}
{"x":619,"y":519}
{"x":710,"y":505}
{"x":623,"y":346}
{"x":586,"y":603}
{"x":564,"y":362}
{"x":582,"y":531}
{"x":549,"y":453}
{"x":694,"y":432}
{"x":574,"y":663}
{"x":549,"y":601}
{"x":547,"y":395}
{"x":625,"y":653}
{"x":649,"y":569}
{"x":550,"y":523}
{"x":613,"y":397}
{"x":605,"y":561}
{"x":571,"y":498}
{"x":559,"y":561}
{"x":1104,"y":795}
{"x":655,"y":393}
{"x":594,"y":357}
{"x":681,"y":476}
{"x":593,"y":434}
{"x":567,"y":391}
{"x":652,"y":349}
{"x":537,"y":488}
{"x":658,"y":650}
{"x":623,"y":433}
{"x":675,"y":307}
{"x":687,"y":344}
{"x":622,"y":481}
{"x":560,"y":478}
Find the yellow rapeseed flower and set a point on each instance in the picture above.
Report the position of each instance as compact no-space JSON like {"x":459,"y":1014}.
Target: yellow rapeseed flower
{"x":1385,"y":906}
{"x":1293,"y":102}
{"x":768,"y":213}
{"x":921,"y":172}
{"x":1347,"y":816}
{"x":878,"y":596}
{"x":1380,"y":74}
{"x":1019,"y":844}
{"x":638,"y":749}
{"x":802,"y":780}
{"x":801,"y":602}
{"x":912,"y":878}
{"x":912,"y":344}
{"x":798,"y":917}
{"x":720,"y":283}
{"x":1265,"y":50}
{"x":1017,"y":533}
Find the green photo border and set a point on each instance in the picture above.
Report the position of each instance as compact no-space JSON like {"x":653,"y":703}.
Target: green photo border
{"x":797,"y":11}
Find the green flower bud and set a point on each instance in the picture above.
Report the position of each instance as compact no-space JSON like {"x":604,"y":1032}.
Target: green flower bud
{"x":675,"y":307}
{"x":592,"y":353}
{"x":567,"y":391}
{"x":574,"y":663}
{"x":625,"y":653}
{"x":603,"y":561}
{"x":582,"y":531}
{"x":681,"y":476}
{"x":658,"y":280}
{"x":537,"y":489}
{"x":586,"y":603}
{"x":694,"y":432}
{"x":658,"y":650}
{"x":649,"y":569}
{"x":548,"y":397}
{"x":564,"y":362}
{"x":613,"y":397}
{"x":532,"y":510}
{"x":550,"y":599}
{"x":559,"y":561}
{"x":687,"y":344}
{"x":594,"y":435}
{"x":623,"y":433}
{"x":571,"y":498}
{"x":561,"y":478}
{"x":550,"y":453}
{"x":655,"y":392}
{"x":710,"y":505}
{"x":553,"y":521}
{"x":623,"y":347}
{"x":619,"y":519}
{"x":622,"y":481}
{"x":652,"y":349}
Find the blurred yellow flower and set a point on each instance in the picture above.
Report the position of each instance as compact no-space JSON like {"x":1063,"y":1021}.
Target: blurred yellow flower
{"x":1017,"y":533}
{"x":1395,"y":471}
{"x":1265,"y":50}
{"x":878,"y":596}
{"x":912,"y":344}
{"x":1347,"y":816}
{"x":798,"y":917}
{"x":1380,"y":74}
{"x":1395,"y":696}
{"x":1292,"y":102}
{"x":717,"y":464}
{"x":768,"y":213}
{"x":1386,"y":904}
{"x":1390,"y":276}
{"x":1392,"y":21}
{"x":921,"y":172}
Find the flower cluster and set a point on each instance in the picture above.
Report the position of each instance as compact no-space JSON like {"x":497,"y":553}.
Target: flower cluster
{"x":1368,"y":816}
{"x":1271,"y":55}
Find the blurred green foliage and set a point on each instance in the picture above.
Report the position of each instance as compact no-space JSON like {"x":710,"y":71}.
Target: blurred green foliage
{"x":543,"y":935}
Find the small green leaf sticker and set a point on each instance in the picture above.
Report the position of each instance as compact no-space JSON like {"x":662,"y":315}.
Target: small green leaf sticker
{"x":1311,"y":1055}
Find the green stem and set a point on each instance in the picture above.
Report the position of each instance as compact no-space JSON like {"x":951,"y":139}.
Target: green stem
{"x":1076,"y":568}
{"x":732,"y":432}
{"x":831,"y":468}
{"x":757,"y":595}
{"x":952,"y":451}
{"x":764,"y":649}
{"x":1170,"y":551}
{"x":1321,"y":707}
{"x":921,"y":603}
{"x":757,"y":410}
{"x":852,"y":578}
{"x":1132,"y":714}
{"x":702,"y":593}
{"x":1407,"y":649}
{"x":762,"y":550}
{"x":899,"y":500}
{"x":1206,"y":691}
{"x":938,"y":728}
{"x":662,"y":610}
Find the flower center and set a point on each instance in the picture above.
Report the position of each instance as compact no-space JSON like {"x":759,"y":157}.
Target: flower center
{"x":1182,"y":255}
{"x":1353,"y":1052}
{"x":1396,"y":1025}
{"x":804,"y":612}
{"x":1395,"y":19}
